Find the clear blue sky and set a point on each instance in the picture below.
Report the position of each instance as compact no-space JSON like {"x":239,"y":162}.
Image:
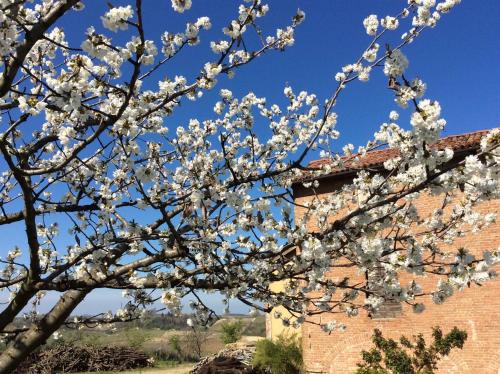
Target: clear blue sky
{"x":459,"y":61}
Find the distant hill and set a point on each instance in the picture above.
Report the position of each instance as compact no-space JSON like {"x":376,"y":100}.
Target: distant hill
{"x":168,"y":321}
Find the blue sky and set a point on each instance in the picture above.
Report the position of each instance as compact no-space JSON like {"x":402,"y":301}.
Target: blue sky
{"x":458,"y":60}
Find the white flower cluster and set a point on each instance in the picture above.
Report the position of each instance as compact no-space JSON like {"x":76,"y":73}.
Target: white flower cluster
{"x":370,"y":54}
{"x":371,"y":24}
{"x":406,"y":93}
{"x":172,"y":300}
{"x":299,"y":17}
{"x":390,"y":23}
{"x":116,"y":18}
{"x":333,"y":325}
{"x":181,"y":5}
{"x":234,"y":30}
{"x":395,"y":64}
{"x":428,"y":13}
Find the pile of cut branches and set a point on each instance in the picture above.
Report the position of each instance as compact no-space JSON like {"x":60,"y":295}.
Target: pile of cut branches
{"x":233,"y":359}
{"x":68,"y":358}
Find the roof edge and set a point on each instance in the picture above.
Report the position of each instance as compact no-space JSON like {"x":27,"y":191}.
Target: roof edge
{"x":379,"y":157}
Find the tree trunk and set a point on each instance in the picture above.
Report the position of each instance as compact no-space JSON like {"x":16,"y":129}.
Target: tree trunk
{"x":28,"y":341}
{"x":10,"y":312}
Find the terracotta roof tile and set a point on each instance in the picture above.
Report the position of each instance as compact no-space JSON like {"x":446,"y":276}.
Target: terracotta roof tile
{"x":460,"y":142}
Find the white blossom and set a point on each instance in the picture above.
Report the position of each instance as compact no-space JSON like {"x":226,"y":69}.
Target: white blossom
{"x":391,"y":23}
{"x":393,"y":115}
{"x":116,"y":18}
{"x":371,"y":24}
{"x":181,"y":5}
{"x":396,"y":64}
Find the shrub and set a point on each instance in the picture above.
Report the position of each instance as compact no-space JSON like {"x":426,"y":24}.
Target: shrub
{"x":231,"y":331}
{"x":283,"y":356}
{"x":407,"y":357}
{"x":135,"y":337}
{"x":174,"y":343}
{"x":194,"y":342}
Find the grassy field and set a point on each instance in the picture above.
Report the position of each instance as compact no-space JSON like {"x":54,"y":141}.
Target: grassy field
{"x":154,"y":339}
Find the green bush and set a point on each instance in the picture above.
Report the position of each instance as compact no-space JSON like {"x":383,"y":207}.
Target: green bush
{"x":174,"y":343}
{"x":282,"y":356}
{"x":407,"y":357}
{"x":231,"y":331}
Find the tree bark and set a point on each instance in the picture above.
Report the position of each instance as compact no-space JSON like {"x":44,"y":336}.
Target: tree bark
{"x":28,"y":341}
{"x":10,"y":312}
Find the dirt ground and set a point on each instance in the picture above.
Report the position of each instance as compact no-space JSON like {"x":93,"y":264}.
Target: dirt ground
{"x":181,"y":369}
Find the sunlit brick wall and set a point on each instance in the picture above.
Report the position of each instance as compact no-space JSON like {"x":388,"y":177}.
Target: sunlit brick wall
{"x":477,"y":310}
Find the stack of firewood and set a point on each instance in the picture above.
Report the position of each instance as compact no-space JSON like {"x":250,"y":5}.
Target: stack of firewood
{"x":67,"y":358}
{"x":234,"y":359}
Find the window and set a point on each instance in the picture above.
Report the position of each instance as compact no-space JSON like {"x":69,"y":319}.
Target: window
{"x":391,"y":307}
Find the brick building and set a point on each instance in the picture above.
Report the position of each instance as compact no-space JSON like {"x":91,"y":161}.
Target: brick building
{"x":476,"y":309}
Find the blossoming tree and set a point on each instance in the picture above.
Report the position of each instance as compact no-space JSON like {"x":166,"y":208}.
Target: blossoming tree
{"x":162,"y":212}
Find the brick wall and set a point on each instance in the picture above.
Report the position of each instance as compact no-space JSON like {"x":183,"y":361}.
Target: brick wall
{"x":476,"y":309}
